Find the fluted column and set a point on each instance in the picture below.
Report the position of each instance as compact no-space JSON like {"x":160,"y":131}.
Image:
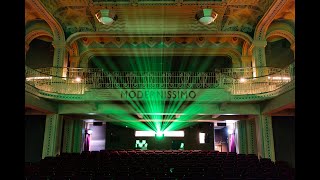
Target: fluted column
{"x":77,"y":136}
{"x":68,"y":136}
{"x":72,"y":136}
{"x":251,"y":137}
{"x":265,"y":143}
{"x":242,"y":137}
{"x":52,"y":135}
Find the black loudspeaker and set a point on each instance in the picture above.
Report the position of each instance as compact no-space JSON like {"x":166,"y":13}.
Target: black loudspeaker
{"x":97,"y":123}
{"x":221,"y":124}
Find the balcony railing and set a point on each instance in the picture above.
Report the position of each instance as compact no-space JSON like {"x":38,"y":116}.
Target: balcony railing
{"x":272,"y":79}
{"x":238,"y":81}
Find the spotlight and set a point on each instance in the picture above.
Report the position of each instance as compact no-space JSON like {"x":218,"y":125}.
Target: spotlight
{"x":206,"y":16}
{"x":89,"y":131}
{"x":159,"y":134}
{"x":242,"y":80}
{"x":78,"y":79}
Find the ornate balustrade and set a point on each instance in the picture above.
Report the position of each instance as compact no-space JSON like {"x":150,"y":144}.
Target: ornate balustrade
{"x":238,"y":81}
{"x":273,"y":79}
{"x":246,"y":72}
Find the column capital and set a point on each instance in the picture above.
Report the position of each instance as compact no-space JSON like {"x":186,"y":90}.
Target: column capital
{"x":259,"y":43}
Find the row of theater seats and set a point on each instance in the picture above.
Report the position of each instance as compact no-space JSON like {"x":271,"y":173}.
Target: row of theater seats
{"x":175,"y":164}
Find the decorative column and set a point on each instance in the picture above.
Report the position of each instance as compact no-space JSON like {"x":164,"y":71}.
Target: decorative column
{"x":59,"y":58}
{"x":52,"y":135}
{"x":251,"y":137}
{"x":246,"y":61}
{"x":72,"y":136}
{"x":74,"y":61}
{"x":68,"y":136}
{"x":259,"y":57}
{"x":264,"y":135}
{"x":242,"y":137}
{"x":77,"y":136}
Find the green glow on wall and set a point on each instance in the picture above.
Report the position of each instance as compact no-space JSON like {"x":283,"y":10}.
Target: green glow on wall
{"x":152,"y":108}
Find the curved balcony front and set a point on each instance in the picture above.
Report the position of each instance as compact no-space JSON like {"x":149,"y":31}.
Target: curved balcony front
{"x":228,"y":84}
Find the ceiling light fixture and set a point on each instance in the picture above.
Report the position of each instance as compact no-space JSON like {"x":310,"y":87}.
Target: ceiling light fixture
{"x":206,"y":16}
{"x":106,"y":16}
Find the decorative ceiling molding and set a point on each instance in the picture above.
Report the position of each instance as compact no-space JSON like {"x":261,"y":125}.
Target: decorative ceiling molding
{"x":74,"y":37}
{"x":274,"y":9}
{"x":58,"y":32}
{"x":232,"y":53}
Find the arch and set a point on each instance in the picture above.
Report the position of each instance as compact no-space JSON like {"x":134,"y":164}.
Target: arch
{"x":36,"y":33}
{"x":285,"y":34}
{"x":282,"y":29}
{"x":56,"y":28}
{"x":35,"y":29}
{"x":261,"y":28}
{"x":230,"y":52}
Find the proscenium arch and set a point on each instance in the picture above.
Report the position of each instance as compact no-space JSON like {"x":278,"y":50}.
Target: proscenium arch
{"x":76,"y":36}
{"x":88,"y":54}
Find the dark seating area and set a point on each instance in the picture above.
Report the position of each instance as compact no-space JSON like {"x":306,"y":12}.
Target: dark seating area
{"x":158,"y":164}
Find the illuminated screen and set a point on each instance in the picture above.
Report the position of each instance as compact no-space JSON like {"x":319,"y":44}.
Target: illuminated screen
{"x":165,"y":133}
{"x":202,"y":138}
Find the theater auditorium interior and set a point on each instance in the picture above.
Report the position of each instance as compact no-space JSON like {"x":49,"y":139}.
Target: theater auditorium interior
{"x":152,"y":89}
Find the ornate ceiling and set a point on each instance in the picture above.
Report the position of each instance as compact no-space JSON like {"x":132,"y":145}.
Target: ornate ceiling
{"x":157,"y":24}
{"x":167,"y":17}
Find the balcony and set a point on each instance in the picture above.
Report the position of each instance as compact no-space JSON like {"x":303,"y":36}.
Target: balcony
{"x":236,"y":81}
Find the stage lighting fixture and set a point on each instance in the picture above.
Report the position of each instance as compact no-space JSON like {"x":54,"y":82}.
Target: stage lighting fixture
{"x":206,"y":16}
{"x":106,"y":16}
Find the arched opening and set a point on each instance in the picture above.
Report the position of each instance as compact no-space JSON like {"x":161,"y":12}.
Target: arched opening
{"x":278,"y":52}
{"x":40,"y":53}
